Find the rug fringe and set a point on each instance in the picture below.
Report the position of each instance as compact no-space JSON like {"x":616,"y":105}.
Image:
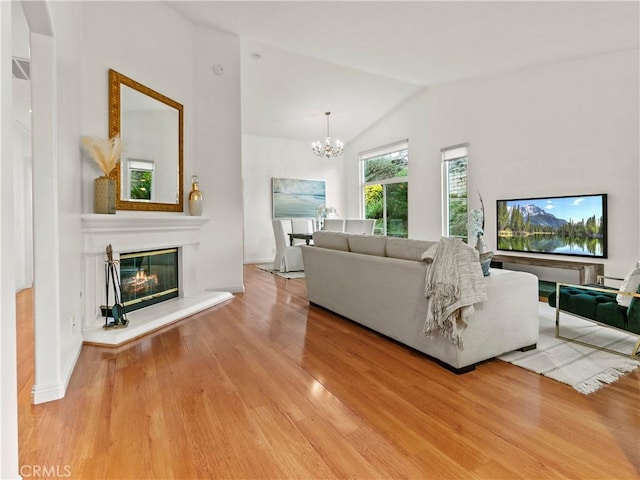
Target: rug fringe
{"x":608,"y":376}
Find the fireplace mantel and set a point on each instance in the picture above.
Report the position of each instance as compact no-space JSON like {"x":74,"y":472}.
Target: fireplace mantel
{"x":139,"y":232}
{"x":120,"y":223}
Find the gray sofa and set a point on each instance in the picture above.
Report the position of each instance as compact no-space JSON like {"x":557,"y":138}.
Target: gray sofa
{"x":379,"y":282}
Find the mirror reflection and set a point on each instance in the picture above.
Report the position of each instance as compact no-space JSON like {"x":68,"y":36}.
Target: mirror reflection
{"x":149,"y":175}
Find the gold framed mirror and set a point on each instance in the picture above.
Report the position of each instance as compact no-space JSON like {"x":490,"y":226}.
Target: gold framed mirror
{"x":149,"y":175}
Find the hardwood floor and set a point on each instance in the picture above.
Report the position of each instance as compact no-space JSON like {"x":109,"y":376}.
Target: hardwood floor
{"x":265,"y":386}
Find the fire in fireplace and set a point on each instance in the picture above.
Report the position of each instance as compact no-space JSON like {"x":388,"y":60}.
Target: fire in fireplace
{"x":148,"y":277}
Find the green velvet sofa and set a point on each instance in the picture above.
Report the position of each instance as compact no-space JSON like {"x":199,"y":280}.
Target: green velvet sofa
{"x":598,"y":304}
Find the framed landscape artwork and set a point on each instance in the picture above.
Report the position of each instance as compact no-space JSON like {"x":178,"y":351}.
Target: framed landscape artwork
{"x":297,"y":198}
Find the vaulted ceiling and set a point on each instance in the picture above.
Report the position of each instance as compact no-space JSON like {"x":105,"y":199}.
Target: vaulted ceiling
{"x":361,"y":59}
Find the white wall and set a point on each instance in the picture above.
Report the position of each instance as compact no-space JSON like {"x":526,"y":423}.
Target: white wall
{"x":49,"y":378}
{"x":23,"y":205}
{"x":145,"y":41}
{"x":217,"y":155}
{"x":22,"y":154}
{"x":264,"y":158}
{"x":8,"y":380}
{"x":67,"y":19}
{"x":561,"y":129}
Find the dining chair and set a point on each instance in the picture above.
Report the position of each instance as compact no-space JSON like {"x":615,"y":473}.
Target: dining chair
{"x":333,"y":224}
{"x":288,"y":257}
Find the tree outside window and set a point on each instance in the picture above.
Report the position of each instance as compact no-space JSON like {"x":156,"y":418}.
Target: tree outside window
{"x":385,"y":191}
{"x":140,"y":179}
{"x":457,"y":197}
{"x":141,"y":184}
{"x":455,"y":202}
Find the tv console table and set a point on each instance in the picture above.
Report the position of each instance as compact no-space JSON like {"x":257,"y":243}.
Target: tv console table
{"x":588,"y":272}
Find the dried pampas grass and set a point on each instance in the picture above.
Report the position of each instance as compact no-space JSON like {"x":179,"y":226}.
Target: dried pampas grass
{"x":106,"y":152}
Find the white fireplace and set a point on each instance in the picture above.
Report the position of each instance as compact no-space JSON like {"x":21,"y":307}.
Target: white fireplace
{"x":126,"y":233}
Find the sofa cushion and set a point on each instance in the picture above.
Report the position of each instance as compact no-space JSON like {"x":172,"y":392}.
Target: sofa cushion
{"x":599,"y":306}
{"x":580,"y":301}
{"x":612,"y":314}
{"x":633,"y":314}
{"x":630,"y":284}
{"x":331,"y":240}
{"x":368,"y":244}
{"x":406,"y":248}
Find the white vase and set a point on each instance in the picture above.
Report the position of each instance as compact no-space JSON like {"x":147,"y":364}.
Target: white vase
{"x":480,"y":245}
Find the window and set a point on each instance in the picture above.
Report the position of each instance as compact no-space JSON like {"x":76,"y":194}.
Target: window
{"x":455,"y":203}
{"x":141,"y":179}
{"x":385,"y":188}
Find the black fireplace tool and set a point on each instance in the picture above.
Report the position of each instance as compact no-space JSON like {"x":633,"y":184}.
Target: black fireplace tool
{"x":118,"y":312}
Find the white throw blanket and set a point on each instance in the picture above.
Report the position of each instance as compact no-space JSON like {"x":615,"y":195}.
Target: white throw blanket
{"x":453,"y":283}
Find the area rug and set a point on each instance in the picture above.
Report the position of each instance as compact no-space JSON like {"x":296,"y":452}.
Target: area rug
{"x":585,"y":369}
{"x":268,"y":267}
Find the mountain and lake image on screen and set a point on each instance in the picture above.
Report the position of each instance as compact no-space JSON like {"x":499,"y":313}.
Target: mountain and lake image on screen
{"x":567,"y":225}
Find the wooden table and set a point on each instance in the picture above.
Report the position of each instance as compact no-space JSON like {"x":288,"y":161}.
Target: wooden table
{"x":307,"y":237}
{"x":588,"y":271}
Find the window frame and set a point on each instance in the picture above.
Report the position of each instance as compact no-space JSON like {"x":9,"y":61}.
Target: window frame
{"x":375,"y":153}
{"x":139,"y":165}
{"x":448,"y":155}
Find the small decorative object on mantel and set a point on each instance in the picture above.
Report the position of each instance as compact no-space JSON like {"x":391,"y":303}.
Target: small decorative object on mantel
{"x":106,"y":153}
{"x":195,"y":198}
{"x":322,"y":213}
{"x":476,"y":228}
{"x":117,"y":311}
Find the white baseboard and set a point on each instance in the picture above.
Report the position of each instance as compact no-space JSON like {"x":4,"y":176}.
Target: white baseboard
{"x":56,"y":391}
{"x":47,"y":393}
{"x":258,"y":260}
{"x":71,"y":366}
{"x":236,"y":289}
{"x":23,"y":286}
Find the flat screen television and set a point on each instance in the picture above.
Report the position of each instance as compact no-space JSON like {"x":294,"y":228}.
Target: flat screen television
{"x":567,"y":225}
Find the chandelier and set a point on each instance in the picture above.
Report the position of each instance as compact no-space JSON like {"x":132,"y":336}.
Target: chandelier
{"x":327,"y":150}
